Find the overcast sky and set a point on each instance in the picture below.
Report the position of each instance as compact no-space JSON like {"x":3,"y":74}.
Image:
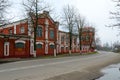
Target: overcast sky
{"x":95,"y":11}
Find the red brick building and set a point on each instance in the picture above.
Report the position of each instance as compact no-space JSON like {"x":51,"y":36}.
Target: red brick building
{"x":88,"y":36}
{"x":17,"y":38}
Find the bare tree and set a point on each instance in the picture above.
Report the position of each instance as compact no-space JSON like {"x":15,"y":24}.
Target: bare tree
{"x":115,"y":15}
{"x":91,"y":37}
{"x":80,"y":22}
{"x":98,"y":43}
{"x":3,"y":6}
{"x":69,"y":21}
{"x":33,"y":8}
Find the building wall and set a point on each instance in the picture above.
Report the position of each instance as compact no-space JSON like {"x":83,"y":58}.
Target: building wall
{"x":1,"y":47}
{"x":12,"y":50}
{"x":22,"y":52}
{"x":15,"y":27}
{"x":64,"y":43}
{"x":18,"y":26}
{"x":46,"y":45}
{"x":88,"y":39}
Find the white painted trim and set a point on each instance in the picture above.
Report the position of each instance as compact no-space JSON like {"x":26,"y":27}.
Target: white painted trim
{"x":57,"y":49}
{"x":14,"y":29}
{"x":20,"y":41}
{"x":29,"y":30}
{"x":51,"y":43}
{"x":12,"y":24}
{"x":31,"y":46}
{"x":46,"y":28}
{"x":6,"y":51}
{"x":46,"y":49}
{"x":62,"y":46}
{"x":39,"y":43}
{"x":46,"y":22}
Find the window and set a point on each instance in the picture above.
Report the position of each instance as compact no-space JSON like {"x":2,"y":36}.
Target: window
{"x":67,"y":48}
{"x":82,"y":38}
{"x":51,"y":34}
{"x":67,"y":40}
{"x":19,"y":45}
{"x":62,"y":48}
{"x":75,"y":40}
{"x":10,"y":31}
{"x":62,"y":39}
{"x":22,"y":30}
{"x":52,"y":46}
{"x":39,"y":46}
{"x":87,"y":38}
{"x":39,"y":32}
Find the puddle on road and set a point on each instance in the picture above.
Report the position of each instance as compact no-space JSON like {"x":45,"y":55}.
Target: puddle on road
{"x":112,"y":72}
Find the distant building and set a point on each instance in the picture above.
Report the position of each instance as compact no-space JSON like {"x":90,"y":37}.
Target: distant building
{"x":17,"y":38}
{"x":63,"y":41}
{"x":88,"y":38}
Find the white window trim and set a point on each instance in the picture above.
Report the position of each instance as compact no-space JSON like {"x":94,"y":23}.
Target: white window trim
{"x":10,"y":31}
{"x":39,"y":43}
{"x":14,"y":28}
{"x":6,"y":44}
{"x":20,"y":41}
{"x":51,"y":43}
{"x":22,"y":29}
{"x":62,"y":46}
{"x":46,"y":49}
{"x":42,"y":29}
{"x":46,"y":22}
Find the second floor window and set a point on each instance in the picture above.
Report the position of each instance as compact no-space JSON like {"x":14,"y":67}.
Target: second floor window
{"x":62,"y":38}
{"x":67,"y":39}
{"x":10,"y":31}
{"x":39,"y":32}
{"x":51,"y":34}
{"x":22,"y":30}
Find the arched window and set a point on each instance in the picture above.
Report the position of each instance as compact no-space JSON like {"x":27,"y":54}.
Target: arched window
{"x":52,"y":46}
{"x":52,"y":34}
{"x":19,"y":45}
{"x":39,"y":46}
{"x":22,"y":29}
{"x":39,"y":31}
{"x":87,"y":38}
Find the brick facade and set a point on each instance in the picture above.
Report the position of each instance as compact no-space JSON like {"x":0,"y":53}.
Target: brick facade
{"x":17,"y":39}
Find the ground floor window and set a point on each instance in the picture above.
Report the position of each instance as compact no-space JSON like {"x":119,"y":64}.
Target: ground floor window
{"x":39,"y":46}
{"x":52,"y":46}
{"x":62,"y":48}
{"x":19,"y":45}
{"x":67,"y":48}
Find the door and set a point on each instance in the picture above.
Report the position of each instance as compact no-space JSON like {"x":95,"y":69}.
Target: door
{"x":6,"y":49}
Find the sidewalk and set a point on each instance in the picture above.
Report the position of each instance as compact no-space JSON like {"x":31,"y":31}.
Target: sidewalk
{"x":7,"y":60}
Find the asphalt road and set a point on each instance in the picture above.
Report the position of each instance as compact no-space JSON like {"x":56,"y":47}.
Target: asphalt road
{"x":41,"y":69}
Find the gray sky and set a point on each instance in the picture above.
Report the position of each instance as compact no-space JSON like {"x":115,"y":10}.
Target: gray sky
{"x":95,"y":11}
